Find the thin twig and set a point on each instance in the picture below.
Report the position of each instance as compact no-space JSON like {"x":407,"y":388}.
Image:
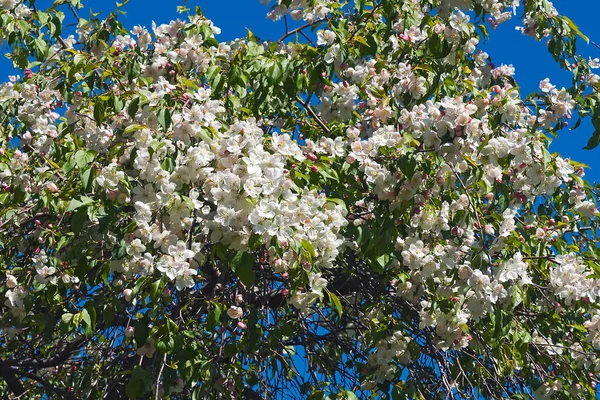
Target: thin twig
{"x":293,"y":31}
{"x":313,"y":115}
{"x":471,"y":203}
{"x":162,"y":367}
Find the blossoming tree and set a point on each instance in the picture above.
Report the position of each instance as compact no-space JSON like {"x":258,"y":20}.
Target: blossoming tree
{"x":365,"y":208}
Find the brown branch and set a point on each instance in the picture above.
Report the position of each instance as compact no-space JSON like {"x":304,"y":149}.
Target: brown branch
{"x":313,"y":114}
{"x":65,"y":394}
{"x":13,"y":383}
{"x":301,"y":28}
{"x":58,"y":359}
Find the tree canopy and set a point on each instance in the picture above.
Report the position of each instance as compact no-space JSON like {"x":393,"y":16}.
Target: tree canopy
{"x":364,"y":208}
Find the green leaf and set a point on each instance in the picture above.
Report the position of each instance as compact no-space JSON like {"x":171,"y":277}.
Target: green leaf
{"x":99,"y":111}
{"x":517,"y":296}
{"x":483,"y":30}
{"x":83,"y":201}
{"x":133,"y":70}
{"x":68,"y":166}
{"x":211,"y":72}
{"x":327,"y":172}
{"x":408,"y":166}
{"x":88,"y":316}
{"x":156,"y":290}
{"x":213,"y":317}
{"x":133,"y":128}
{"x":43,"y":17}
{"x":140,"y":380}
{"x":189,"y":83}
{"x":348,"y":395}
{"x":339,"y":202}
{"x":575,"y":28}
{"x":164,"y":119}
{"x":439,"y":47}
{"x":78,"y":218}
{"x":85,"y":316}
{"x":133,"y":107}
{"x":382,"y":262}
{"x":336,"y":303}
{"x":317,"y":395}
{"x":63,"y":241}
{"x":79,"y":57}
{"x":66,"y":318}
{"x":275,"y":72}
{"x":140,"y":334}
{"x":309,"y":248}
{"x":118,"y":104}
{"x":243,"y":266}
{"x":593,"y":141}
{"x":84,"y":157}
{"x":86,"y":179}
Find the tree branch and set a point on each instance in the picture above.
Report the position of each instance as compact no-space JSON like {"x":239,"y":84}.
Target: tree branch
{"x":13,"y":383}
{"x":58,"y":359}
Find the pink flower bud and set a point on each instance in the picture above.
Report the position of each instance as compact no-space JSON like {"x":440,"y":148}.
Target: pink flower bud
{"x":457,"y":231}
{"x":128,"y":293}
{"x":52,"y":187}
{"x":112,"y":195}
{"x":129,"y":331}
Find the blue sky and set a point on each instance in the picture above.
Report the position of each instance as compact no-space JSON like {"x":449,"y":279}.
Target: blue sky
{"x":506,"y":45}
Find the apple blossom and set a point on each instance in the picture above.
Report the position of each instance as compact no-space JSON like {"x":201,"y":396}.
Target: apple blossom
{"x":376,"y":191}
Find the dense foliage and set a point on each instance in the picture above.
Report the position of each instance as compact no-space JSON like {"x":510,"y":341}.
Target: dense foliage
{"x":365,"y":208}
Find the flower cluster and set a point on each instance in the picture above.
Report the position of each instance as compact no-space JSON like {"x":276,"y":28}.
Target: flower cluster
{"x":382,"y":186}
